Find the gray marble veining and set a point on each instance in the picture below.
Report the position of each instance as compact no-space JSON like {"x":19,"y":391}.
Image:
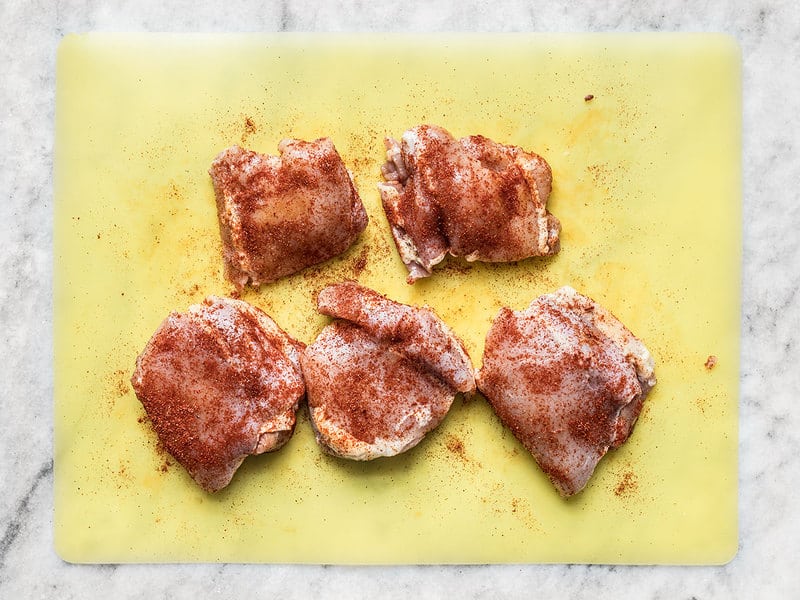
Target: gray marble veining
{"x":769,"y":34}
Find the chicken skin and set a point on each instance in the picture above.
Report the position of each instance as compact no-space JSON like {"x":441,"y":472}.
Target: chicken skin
{"x":219,"y":382}
{"x":279,"y":215}
{"x":382,"y":375}
{"x":469,"y":197}
{"x":568,"y":379}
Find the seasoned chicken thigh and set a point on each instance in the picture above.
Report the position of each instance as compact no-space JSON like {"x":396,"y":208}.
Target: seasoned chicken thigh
{"x":568,"y":379}
{"x":470,"y":197}
{"x":278,"y":215}
{"x":382,"y":375}
{"x":219,"y":382}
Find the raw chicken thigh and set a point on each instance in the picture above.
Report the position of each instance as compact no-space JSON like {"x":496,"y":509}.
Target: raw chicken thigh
{"x":568,"y":379}
{"x":278,"y":215}
{"x":470,"y":197}
{"x":219,"y":382}
{"x":382,"y":375}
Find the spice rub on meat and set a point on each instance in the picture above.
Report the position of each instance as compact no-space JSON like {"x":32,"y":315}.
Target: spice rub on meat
{"x":279,"y":215}
{"x":468,"y":197}
{"x":382,"y":375}
{"x":568,"y":379}
{"x":219,"y":382}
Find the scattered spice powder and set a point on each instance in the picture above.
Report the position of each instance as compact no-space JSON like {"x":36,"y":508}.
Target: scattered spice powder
{"x":361,"y":262}
{"x":452,"y":266}
{"x":456,"y":446}
{"x":627,"y":485}
{"x":122,"y":383}
{"x":701,"y":404}
{"x":249,"y":129}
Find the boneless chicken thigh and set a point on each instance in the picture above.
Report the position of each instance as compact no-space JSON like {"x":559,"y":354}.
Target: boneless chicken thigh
{"x":278,"y":215}
{"x":382,"y":375}
{"x":568,"y":379}
{"x":219,"y":382}
{"x":469,"y":197}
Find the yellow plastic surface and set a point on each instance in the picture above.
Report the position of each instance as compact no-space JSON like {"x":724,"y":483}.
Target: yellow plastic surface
{"x":647,"y":185}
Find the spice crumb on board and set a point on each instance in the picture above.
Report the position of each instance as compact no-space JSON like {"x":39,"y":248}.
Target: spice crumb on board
{"x":711,"y":362}
{"x":588,"y":97}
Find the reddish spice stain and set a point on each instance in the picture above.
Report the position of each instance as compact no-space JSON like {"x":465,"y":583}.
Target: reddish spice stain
{"x":627,"y":486}
{"x":360,"y":262}
{"x":191,"y":291}
{"x":456,"y":446}
{"x":711,"y":362}
{"x":124,"y":476}
{"x":249,"y":129}
{"x":362,"y":163}
{"x":174,"y":193}
{"x":122,"y":384}
{"x":452,"y":266}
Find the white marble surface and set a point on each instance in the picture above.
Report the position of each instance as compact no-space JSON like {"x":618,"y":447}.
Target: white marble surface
{"x":769,"y":33}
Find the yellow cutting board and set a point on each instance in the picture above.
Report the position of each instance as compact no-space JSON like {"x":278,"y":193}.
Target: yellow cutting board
{"x":647,"y":185}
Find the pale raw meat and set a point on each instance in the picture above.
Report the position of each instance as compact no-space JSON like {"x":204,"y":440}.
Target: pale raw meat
{"x":568,"y":379}
{"x":382,"y":375}
{"x":219,"y":382}
{"x":469,"y":197}
{"x":278,"y":215}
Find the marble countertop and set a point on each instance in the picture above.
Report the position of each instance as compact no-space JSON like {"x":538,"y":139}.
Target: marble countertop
{"x":769,"y":34}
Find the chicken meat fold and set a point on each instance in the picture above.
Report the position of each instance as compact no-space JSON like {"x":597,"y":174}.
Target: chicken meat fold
{"x":568,"y":379}
{"x":470,"y":197}
{"x":382,"y":375}
{"x":279,"y":215}
{"x":219,"y":382}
